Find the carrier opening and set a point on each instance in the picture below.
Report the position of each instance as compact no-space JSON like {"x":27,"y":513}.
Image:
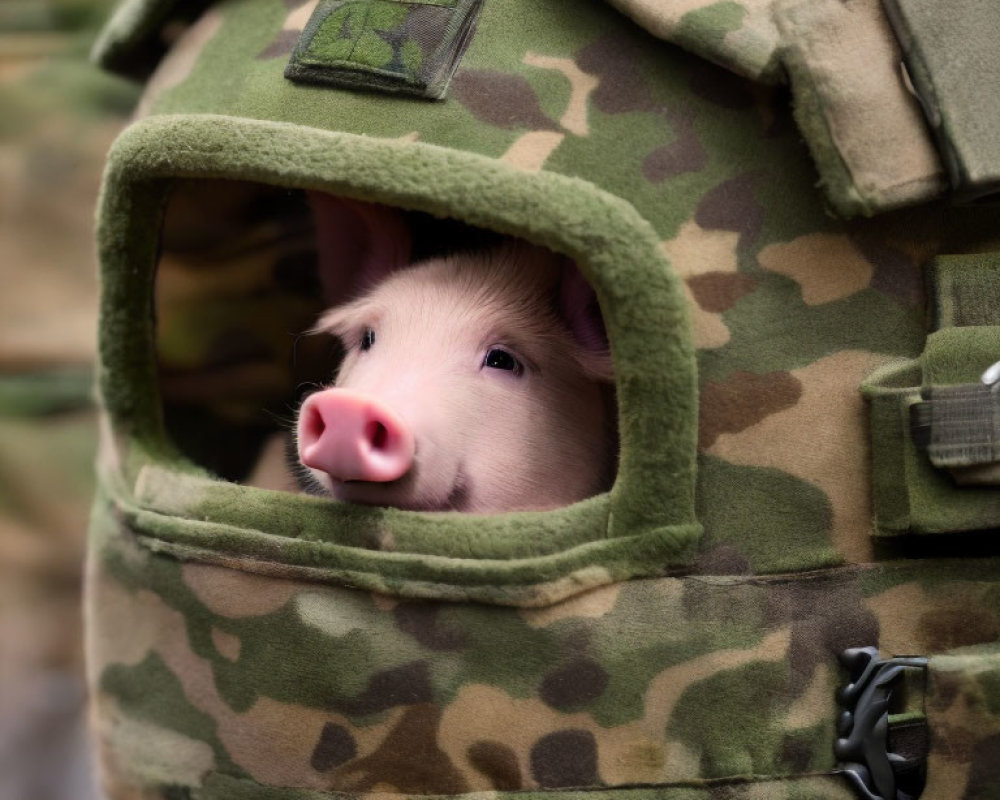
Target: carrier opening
{"x":472,"y":369}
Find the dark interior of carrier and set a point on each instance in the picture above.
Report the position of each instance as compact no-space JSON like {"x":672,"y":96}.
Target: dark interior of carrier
{"x":237,"y":292}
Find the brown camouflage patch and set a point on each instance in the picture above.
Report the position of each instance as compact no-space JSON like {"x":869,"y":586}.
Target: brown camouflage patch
{"x":812,"y":706}
{"x":684,"y":154}
{"x":742,"y":401}
{"x":719,"y":291}
{"x":234,"y":594}
{"x":573,"y":685}
{"x":564,"y":759}
{"x":408,"y":760}
{"x":826,"y":617}
{"x":405,"y":685}
{"x":498,"y":763}
{"x":697,"y":251}
{"x":896,"y":266}
{"x":284,"y":42}
{"x":420,"y":620}
{"x":336,"y":746}
{"x":500,"y":99}
{"x":827,"y":266}
{"x":589,"y":605}
{"x":732,"y":206}
{"x":820,"y":439}
{"x":724,"y":559}
{"x":959,"y":626}
{"x":621,"y":87}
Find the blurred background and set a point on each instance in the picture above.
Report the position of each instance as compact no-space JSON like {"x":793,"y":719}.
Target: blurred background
{"x":58,"y":116}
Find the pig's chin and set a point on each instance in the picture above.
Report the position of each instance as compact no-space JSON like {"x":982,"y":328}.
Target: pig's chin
{"x":404,"y":494}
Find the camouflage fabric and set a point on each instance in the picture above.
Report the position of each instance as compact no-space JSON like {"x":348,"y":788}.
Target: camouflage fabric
{"x":866,"y":127}
{"x":963,"y":125}
{"x":677,"y":636}
{"x":59,"y":115}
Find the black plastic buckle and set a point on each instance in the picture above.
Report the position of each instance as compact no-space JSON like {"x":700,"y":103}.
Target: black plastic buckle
{"x":863,"y":728}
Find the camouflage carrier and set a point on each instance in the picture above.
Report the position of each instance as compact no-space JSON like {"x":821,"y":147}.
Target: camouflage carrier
{"x":681,"y":637}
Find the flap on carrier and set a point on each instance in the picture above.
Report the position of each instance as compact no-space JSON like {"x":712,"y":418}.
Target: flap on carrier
{"x":936,"y":420}
{"x":891,"y":117}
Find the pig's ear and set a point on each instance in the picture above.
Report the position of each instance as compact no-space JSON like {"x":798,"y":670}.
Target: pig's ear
{"x":578,"y":306}
{"x":357,"y":244}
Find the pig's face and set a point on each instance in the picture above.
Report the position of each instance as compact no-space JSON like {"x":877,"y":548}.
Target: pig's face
{"x":463,"y":388}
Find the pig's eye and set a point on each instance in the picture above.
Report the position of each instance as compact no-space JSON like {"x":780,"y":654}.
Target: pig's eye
{"x":498,"y":358}
{"x":367,"y":339}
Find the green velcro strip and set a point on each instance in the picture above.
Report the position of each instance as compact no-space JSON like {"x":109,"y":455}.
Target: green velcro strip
{"x":951,"y":55}
{"x":408,"y":47}
{"x":966,"y":289}
{"x":910,"y":494}
{"x":935,"y":421}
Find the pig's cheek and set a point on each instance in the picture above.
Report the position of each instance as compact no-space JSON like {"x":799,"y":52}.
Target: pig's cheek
{"x":497,"y":445}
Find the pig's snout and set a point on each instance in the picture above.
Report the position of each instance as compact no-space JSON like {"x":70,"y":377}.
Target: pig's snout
{"x":352,"y":437}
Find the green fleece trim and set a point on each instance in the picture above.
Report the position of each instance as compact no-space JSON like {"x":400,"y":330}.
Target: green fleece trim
{"x":530,"y":582}
{"x":645,"y":524}
{"x":960,"y":355}
{"x":966,"y":289}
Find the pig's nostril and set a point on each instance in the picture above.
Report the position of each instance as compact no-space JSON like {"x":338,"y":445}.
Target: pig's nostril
{"x":377,"y":434}
{"x":315,"y":425}
{"x":352,"y":437}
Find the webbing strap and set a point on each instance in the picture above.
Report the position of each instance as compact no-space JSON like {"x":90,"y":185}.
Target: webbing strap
{"x":935,"y":424}
{"x":959,"y":426}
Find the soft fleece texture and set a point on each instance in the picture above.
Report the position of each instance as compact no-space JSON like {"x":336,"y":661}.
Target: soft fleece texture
{"x":951,"y":54}
{"x":646,"y":523}
{"x":911,"y":495}
{"x":865,"y":129}
{"x":259,"y":663}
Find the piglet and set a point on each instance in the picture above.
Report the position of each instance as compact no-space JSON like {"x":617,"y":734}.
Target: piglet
{"x":476,"y":382}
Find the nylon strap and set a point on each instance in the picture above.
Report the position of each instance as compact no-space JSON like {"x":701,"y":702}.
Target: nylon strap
{"x":935,"y":425}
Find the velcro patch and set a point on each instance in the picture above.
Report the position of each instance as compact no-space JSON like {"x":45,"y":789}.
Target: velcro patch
{"x":401,"y":46}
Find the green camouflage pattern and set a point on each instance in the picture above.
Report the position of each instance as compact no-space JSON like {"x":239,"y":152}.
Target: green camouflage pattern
{"x":964,"y":717}
{"x":865,"y":126}
{"x":237,"y":648}
{"x":703,"y":680}
{"x":740,"y":36}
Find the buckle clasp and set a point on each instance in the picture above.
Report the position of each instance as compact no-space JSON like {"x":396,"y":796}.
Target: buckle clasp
{"x":862,"y":746}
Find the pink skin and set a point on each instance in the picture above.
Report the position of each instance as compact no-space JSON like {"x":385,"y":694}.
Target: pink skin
{"x":466,"y":385}
{"x":353,"y":437}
